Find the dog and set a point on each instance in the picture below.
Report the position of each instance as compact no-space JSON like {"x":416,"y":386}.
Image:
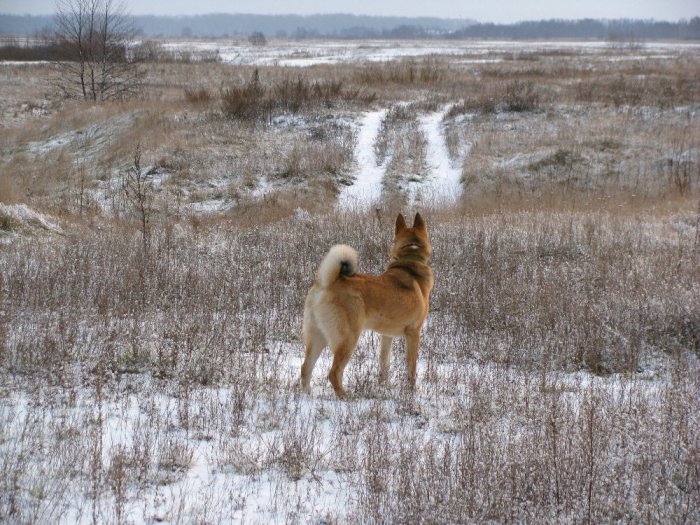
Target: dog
{"x":343,"y":303}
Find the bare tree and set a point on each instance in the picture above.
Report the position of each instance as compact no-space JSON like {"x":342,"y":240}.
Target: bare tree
{"x":138,"y":190}
{"x":95,"y":37}
{"x":257,"y":39}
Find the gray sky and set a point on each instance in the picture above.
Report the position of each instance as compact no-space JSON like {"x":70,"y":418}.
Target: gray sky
{"x":482,"y":10}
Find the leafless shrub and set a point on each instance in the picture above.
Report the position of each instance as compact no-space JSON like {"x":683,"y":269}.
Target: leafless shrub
{"x":138,"y":189}
{"x":257,"y":101}
{"x":8,"y":223}
{"x":520,"y":96}
{"x":291,"y":94}
{"x":48,"y":49}
{"x":200,"y":95}
{"x":257,"y":38}
{"x":247,"y":102}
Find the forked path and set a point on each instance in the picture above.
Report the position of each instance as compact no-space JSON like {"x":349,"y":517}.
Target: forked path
{"x":367,"y":188}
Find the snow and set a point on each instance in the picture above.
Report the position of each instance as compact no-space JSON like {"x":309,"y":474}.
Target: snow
{"x":367,"y":188}
{"x":25,"y":216}
{"x":207,"y":485}
{"x":23,"y":62}
{"x":441,"y":184}
{"x":319,"y":52}
{"x":443,"y":181}
{"x":90,"y":139}
{"x":206,"y":482}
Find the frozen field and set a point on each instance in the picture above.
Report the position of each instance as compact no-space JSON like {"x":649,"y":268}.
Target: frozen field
{"x":155,"y":254}
{"x":308,"y":53}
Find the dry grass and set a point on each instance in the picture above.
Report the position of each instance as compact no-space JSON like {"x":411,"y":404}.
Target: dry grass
{"x":637,"y":152}
{"x":555,"y":101}
{"x":408,"y":72}
{"x":530,"y":308}
{"x":559,"y":369}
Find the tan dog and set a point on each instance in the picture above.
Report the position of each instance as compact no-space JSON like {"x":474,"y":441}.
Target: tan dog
{"x":343,"y":303}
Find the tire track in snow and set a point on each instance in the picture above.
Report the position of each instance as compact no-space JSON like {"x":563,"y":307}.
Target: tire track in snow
{"x":442,"y":182}
{"x":367,"y":188}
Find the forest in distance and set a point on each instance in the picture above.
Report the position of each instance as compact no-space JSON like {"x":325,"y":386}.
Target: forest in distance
{"x":354,"y":26}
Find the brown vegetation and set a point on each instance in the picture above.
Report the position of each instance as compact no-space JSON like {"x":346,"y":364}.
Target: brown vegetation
{"x":559,"y":370}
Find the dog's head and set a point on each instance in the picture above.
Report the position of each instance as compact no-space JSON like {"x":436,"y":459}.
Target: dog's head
{"x":411,"y":243}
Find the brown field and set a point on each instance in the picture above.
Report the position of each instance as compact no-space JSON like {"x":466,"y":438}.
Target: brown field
{"x":155,"y":254}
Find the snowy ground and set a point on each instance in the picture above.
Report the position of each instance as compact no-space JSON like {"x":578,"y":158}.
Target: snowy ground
{"x":443,"y":182}
{"x":366,"y":187}
{"x":558,"y":377}
{"x":182,"y":405}
{"x":281,"y":463}
{"x":440,"y":184}
{"x":309,"y":53}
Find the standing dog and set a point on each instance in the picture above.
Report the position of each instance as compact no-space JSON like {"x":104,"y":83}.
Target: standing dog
{"x":343,"y":303}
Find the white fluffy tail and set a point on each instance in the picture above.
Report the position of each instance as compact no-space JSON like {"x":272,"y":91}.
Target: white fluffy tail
{"x":340,"y":260}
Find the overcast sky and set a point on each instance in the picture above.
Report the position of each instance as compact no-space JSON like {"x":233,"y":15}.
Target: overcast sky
{"x":482,"y":10}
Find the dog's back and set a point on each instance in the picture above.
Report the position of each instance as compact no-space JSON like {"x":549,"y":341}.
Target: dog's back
{"x":342,"y":303}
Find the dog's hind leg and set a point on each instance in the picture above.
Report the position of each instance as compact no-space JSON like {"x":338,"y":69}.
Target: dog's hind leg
{"x":315,"y":343}
{"x":341,"y":355}
{"x":412,"y":342}
{"x":385,"y":357}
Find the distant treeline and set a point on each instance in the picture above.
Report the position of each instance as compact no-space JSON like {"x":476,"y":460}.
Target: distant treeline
{"x":354,"y":26}
{"x":586,"y":29}
{"x":228,"y":25}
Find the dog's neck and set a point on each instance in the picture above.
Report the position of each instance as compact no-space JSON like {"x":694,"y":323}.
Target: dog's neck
{"x":411,"y":257}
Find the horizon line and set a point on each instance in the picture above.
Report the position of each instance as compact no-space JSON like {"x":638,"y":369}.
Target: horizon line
{"x":456,"y":19}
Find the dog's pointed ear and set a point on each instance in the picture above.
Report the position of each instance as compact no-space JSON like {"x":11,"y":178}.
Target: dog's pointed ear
{"x":400,"y":223}
{"x":419,"y":223}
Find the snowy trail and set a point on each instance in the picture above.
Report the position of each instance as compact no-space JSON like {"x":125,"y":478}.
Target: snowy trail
{"x":367,"y":188}
{"x":442,"y":183}
{"x":443,"y":180}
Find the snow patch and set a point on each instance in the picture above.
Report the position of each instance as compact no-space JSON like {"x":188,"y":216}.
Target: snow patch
{"x":367,"y":188}
{"x":25,"y":217}
{"x":443,"y":180}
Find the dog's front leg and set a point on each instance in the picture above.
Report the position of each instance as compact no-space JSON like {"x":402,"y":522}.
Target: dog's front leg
{"x":412,"y":341}
{"x":385,"y":357}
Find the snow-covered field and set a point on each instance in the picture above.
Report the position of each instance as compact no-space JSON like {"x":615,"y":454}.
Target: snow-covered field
{"x":172,"y":395}
{"x":309,"y":53}
{"x":150,"y":342}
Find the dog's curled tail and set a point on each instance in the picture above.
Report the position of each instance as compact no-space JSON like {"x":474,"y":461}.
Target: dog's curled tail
{"x":340,"y":260}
